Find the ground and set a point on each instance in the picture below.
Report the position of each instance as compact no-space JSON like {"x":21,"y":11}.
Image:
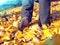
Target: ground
{"x":32,"y":35}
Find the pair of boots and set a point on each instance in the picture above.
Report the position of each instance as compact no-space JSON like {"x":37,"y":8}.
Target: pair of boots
{"x":25,"y":22}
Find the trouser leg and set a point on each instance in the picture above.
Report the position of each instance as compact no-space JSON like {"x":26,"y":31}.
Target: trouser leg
{"x":44,"y":13}
{"x":27,"y":9}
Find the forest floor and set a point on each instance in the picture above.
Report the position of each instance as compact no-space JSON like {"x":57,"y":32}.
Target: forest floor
{"x":10,"y":34}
